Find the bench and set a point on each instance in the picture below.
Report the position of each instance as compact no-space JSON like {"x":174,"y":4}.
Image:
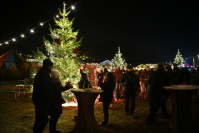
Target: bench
{"x":17,"y":93}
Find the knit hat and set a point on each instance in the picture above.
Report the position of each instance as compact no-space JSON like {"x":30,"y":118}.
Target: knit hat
{"x":47,"y":62}
{"x":55,"y":73}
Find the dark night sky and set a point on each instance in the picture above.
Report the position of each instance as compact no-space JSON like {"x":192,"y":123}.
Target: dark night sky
{"x":146,"y":31}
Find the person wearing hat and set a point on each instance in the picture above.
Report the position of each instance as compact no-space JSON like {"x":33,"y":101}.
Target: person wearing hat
{"x":42,"y":95}
{"x":55,"y":109}
{"x":156,"y":81}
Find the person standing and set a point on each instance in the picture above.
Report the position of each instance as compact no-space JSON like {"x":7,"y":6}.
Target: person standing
{"x":118,"y":88}
{"x":55,"y":108}
{"x":108,"y":85}
{"x":143,"y":82}
{"x":100,"y":77}
{"x":84,"y":81}
{"x":157,"y":80}
{"x":130,"y":82}
{"x":42,"y":95}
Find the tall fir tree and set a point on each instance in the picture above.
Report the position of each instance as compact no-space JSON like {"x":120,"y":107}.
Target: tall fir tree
{"x":61,"y":48}
{"x":178,"y":59}
{"x":118,"y":61}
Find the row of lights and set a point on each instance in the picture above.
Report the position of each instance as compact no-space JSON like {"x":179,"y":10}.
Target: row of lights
{"x":32,"y":30}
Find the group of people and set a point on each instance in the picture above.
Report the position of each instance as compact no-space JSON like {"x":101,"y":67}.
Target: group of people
{"x":111,"y":85}
{"x":149,"y":84}
{"x":47,"y":97}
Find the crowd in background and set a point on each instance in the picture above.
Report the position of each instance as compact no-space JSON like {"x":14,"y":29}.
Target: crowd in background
{"x":147,"y":84}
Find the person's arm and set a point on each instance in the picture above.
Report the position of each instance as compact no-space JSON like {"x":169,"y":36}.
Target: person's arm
{"x":67,"y":86}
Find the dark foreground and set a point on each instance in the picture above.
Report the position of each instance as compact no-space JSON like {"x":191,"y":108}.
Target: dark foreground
{"x":17,"y":116}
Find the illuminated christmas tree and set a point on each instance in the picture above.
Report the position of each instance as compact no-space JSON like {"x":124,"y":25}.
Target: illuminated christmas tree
{"x":179,"y":59}
{"x":118,"y":61}
{"x":62,"y":49}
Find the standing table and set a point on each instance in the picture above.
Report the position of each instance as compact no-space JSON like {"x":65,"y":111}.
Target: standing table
{"x":181,"y":118}
{"x":86,"y":122}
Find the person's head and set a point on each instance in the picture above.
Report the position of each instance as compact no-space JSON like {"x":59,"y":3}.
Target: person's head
{"x":48,"y":64}
{"x":168,"y":68}
{"x":55,"y":74}
{"x":148,"y":68}
{"x":110,"y":77}
{"x":175,"y":65}
{"x":129,"y":67}
{"x":160,"y":65}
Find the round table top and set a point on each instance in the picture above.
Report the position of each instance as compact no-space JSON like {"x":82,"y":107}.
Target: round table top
{"x":20,"y":85}
{"x":182,"y":87}
{"x":89,"y":90}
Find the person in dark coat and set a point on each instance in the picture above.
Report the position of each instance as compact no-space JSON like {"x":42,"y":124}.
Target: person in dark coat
{"x":42,"y":95}
{"x":131,"y":85}
{"x":55,"y":109}
{"x":84,"y":81}
{"x":157,"y":80}
{"x":108,"y":86}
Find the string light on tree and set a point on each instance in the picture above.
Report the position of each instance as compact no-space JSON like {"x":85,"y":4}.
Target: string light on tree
{"x":61,"y":48}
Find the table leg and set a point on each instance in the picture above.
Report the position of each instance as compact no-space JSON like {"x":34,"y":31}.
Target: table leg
{"x":86,"y":122}
{"x":181,"y":119}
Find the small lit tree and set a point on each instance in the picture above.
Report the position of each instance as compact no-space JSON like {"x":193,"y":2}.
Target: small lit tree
{"x":178,"y":59}
{"x":118,"y":61}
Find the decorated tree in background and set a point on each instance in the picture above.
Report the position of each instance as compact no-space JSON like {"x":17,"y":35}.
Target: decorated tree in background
{"x":178,"y":59}
{"x":62,"y":49}
{"x":118,"y":61}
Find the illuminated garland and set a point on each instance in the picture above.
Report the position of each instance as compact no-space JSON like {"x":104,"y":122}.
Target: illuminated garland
{"x":14,"y":39}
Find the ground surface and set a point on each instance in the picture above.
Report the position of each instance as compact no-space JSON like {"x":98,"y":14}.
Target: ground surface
{"x":17,"y":116}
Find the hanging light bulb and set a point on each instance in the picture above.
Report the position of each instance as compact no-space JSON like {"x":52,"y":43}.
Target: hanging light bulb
{"x":22,"y":35}
{"x":32,"y":31}
{"x":41,"y":24}
{"x":73,"y":7}
{"x":13,"y":39}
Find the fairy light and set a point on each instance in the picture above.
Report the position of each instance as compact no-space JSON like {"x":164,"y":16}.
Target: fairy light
{"x":32,"y":31}
{"x":73,"y":7}
{"x":22,"y":35}
{"x":13,"y":39}
{"x":41,"y":24}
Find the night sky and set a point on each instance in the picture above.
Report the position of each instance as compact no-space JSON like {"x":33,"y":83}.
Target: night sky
{"x":146,"y":31}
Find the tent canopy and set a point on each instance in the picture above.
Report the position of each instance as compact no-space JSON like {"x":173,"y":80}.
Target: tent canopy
{"x":12,"y":60}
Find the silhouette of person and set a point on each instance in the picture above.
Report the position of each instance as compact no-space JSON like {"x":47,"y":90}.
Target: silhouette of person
{"x":55,"y":109}
{"x":108,"y":85}
{"x":42,"y":95}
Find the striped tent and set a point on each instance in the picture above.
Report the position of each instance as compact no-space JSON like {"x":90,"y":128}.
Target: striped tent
{"x":12,"y":60}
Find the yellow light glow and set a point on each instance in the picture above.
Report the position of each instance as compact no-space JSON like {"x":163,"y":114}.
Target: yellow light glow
{"x":6,"y":42}
{"x":73,"y":7}
{"x":13,"y":39}
{"x":41,"y":24}
{"x":22,"y":35}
